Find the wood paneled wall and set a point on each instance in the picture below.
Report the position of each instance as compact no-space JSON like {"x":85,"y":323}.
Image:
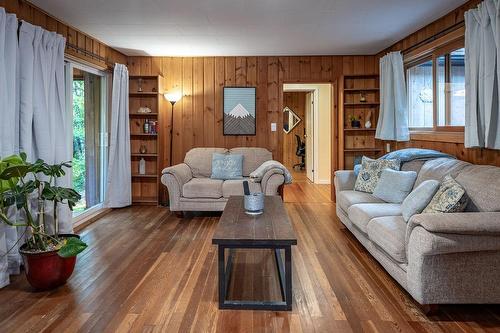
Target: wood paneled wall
{"x":296,"y":101}
{"x":419,"y":38}
{"x":198,"y":115}
{"x":89,"y":49}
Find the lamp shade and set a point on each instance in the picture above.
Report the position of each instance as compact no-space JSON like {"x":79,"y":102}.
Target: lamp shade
{"x":173,"y":97}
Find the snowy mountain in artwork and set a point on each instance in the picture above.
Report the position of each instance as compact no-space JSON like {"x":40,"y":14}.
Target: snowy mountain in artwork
{"x":239,"y":111}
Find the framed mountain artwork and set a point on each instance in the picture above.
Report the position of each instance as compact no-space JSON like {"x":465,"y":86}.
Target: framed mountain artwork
{"x":239,"y":111}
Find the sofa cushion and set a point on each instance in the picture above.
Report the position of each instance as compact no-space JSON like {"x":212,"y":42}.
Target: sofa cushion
{"x":370,"y":173}
{"x":253,"y":157}
{"x":438,"y":168}
{"x":388,"y":233}
{"x":394,"y":186}
{"x":227,"y":166}
{"x":235,"y":187}
{"x":346,"y":199}
{"x":203,"y":188}
{"x":361,"y":214}
{"x":200,"y":160}
{"x":419,"y":198}
{"x":482,"y":185}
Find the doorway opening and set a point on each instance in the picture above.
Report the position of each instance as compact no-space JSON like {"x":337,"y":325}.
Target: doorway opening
{"x":307,"y":112}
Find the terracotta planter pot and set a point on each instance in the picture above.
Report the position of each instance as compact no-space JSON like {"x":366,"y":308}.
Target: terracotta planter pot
{"x":47,"y":270}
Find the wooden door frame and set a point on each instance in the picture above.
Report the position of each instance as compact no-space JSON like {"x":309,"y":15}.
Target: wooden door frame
{"x":334,"y":135}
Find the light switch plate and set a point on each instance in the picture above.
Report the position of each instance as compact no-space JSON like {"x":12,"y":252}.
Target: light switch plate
{"x":273,"y":127}
{"x":388,"y":147}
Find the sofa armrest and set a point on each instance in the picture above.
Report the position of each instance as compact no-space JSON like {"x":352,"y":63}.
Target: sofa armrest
{"x":483,"y":223}
{"x":174,"y":178}
{"x":181,"y":172}
{"x":272,"y":180}
{"x":344,"y":180}
{"x":434,"y":234}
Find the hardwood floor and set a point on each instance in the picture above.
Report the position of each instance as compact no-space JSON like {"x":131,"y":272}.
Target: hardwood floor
{"x":148,"y":271}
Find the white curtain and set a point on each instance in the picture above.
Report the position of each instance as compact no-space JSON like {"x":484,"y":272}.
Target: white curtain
{"x":9,"y":115}
{"x":393,"y":119}
{"x":44,"y":119}
{"x":482,"y":73}
{"x":119,"y":187}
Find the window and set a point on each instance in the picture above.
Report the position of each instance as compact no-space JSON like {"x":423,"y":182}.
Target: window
{"x":436,"y":89}
{"x":420,"y":95}
{"x":451,"y":88}
{"x":88,"y":95}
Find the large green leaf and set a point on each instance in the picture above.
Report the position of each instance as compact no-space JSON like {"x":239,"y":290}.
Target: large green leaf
{"x":72,"y":247}
{"x":8,"y":178}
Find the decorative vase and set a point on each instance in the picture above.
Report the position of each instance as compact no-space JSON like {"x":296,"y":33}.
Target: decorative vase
{"x":142,"y":166}
{"x":139,"y":85}
{"x":254,"y":203}
{"x":47,"y":270}
{"x":368,"y":123}
{"x":362,"y":98}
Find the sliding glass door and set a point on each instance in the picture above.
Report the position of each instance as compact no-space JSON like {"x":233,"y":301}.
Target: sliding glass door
{"x":89,"y":106}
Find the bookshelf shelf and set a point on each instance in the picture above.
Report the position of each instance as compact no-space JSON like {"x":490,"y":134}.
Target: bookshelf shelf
{"x":359,"y":97}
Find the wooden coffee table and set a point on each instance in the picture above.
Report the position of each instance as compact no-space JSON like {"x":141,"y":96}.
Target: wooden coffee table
{"x":270,"y":230}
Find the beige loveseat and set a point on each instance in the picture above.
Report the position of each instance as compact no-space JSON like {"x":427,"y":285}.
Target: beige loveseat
{"x":438,"y":258}
{"x":190,"y":187}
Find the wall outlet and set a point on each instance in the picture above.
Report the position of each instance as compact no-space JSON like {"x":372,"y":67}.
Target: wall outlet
{"x":273,"y":127}
{"x":388,"y":147}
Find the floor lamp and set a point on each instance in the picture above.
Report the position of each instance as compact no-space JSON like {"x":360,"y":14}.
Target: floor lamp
{"x":172,"y":98}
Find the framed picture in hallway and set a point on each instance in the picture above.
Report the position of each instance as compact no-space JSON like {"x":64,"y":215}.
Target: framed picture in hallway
{"x":239,"y":111}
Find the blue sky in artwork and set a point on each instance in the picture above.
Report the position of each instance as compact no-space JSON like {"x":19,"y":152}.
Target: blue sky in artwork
{"x":243,"y":96}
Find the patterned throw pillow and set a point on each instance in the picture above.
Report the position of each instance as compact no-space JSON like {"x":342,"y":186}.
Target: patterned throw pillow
{"x":370,"y":173}
{"x":449,"y":198}
{"x":227,"y":166}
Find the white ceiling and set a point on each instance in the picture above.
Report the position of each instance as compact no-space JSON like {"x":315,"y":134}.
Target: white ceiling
{"x":248,"y":27}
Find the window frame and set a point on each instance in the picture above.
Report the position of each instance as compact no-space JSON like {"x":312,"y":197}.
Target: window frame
{"x":104,"y":119}
{"x":433,"y":53}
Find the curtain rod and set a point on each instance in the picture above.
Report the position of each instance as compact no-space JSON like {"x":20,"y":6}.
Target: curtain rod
{"x":88,"y":53}
{"x":77,"y":49}
{"x":434,"y":37}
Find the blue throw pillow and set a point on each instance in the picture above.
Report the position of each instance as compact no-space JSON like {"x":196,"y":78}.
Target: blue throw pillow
{"x":394,"y":186}
{"x":227,"y":166}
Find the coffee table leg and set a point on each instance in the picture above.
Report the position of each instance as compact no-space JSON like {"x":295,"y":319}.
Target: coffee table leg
{"x":288,"y":277}
{"x":222,"y":275}
{"x":285,"y":278}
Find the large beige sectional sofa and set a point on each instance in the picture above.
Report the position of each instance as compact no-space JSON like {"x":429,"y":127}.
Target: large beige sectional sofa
{"x":437,"y":258}
{"x":190,"y":187}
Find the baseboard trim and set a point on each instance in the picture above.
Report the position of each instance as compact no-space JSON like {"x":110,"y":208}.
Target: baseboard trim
{"x":91,"y":218}
{"x":323,"y":182}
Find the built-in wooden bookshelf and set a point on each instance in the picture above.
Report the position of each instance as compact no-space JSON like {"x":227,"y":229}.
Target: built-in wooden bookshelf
{"x":359,"y":96}
{"x":145,"y":92}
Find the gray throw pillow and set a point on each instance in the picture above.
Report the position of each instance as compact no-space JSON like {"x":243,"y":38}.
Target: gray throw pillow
{"x":419,"y":198}
{"x":227,"y":166}
{"x":449,"y":198}
{"x":370,"y":173}
{"x":393,"y":186}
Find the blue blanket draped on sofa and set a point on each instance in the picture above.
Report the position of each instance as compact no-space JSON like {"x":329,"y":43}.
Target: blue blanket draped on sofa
{"x":410,"y":154}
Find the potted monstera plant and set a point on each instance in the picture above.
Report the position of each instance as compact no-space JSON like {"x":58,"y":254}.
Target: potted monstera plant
{"x":28,"y":195}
